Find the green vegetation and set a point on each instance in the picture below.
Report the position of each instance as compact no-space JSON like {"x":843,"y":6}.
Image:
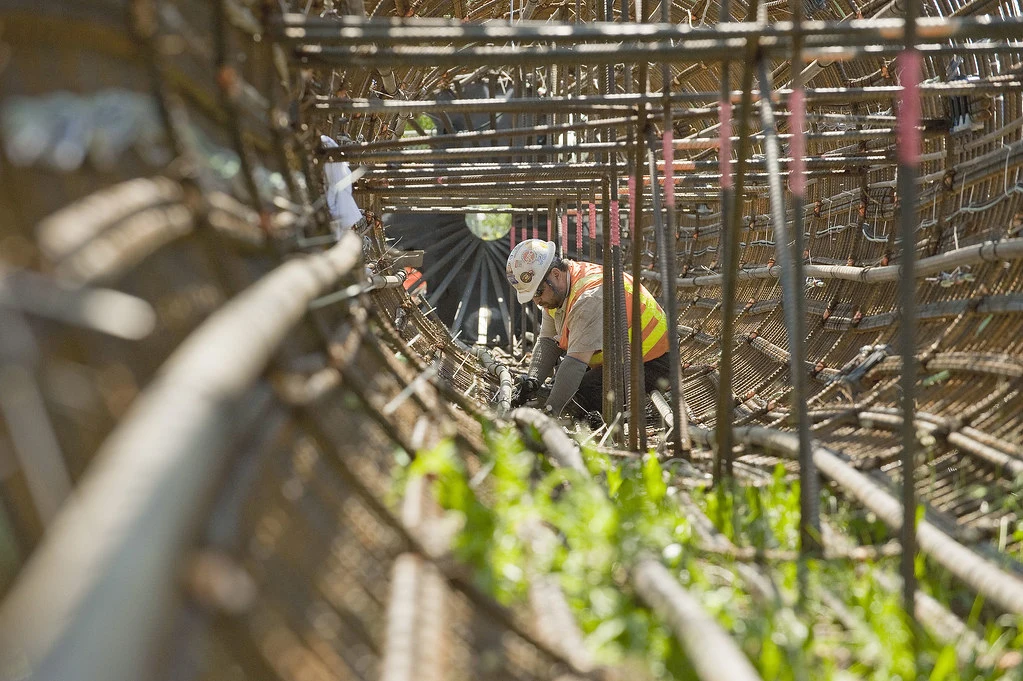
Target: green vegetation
{"x":489,"y":226}
{"x":833,"y":619}
{"x":427,"y":124}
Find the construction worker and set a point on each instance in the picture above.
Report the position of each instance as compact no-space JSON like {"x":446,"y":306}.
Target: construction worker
{"x":571,"y":296}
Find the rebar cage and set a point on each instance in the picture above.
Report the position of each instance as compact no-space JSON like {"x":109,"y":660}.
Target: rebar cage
{"x":207,"y":379}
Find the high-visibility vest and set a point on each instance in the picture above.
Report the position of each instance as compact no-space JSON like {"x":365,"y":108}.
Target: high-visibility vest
{"x":586,"y":275}
{"x":412,"y":278}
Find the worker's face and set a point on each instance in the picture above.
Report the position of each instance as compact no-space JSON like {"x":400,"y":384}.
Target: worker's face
{"x":550,"y":293}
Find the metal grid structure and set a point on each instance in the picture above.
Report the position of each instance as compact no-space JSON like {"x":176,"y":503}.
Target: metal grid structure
{"x":225,"y":395}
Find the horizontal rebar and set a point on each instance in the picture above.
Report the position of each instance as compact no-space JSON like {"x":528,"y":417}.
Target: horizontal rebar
{"x":712,"y":652}
{"x":558,"y":444}
{"x":999,"y":588}
{"x":353,"y":30}
{"x":477,"y":135}
{"x":687,"y":51}
{"x":125,"y":528}
{"x":989,"y":251}
{"x":685,"y":143}
{"x":347,"y":153}
{"x":622,"y":102}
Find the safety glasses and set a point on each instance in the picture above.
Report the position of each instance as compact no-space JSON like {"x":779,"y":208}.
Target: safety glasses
{"x":543,"y":286}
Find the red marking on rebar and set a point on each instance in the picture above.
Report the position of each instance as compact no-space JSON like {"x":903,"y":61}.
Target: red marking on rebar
{"x":593,"y":221}
{"x":550,"y":226}
{"x":632,"y":202}
{"x":616,"y":226}
{"x":511,"y":238}
{"x":564,"y":234}
{"x":669,"y":168}
{"x":578,"y":232}
{"x":725,"y":152}
{"x":536,"y":229}
{"x":797,"y":178}
{"x":908,"y":116}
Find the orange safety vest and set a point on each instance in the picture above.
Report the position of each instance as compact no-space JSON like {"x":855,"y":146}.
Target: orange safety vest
{"x":413,"y":277}
{"x":587,"y":275}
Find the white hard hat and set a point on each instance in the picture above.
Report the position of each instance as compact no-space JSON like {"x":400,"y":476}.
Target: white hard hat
{"x":528,"y":264}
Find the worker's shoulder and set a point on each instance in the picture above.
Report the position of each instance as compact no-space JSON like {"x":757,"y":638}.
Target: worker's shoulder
{"x":591,"y":297}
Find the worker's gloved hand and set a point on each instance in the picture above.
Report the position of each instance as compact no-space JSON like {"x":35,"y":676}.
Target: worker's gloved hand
{"x":525,"y":389}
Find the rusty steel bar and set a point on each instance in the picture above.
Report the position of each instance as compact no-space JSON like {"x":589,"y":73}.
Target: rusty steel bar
{"x":965,"y":438}
{"x":999,"y":588}
{"x":518,"y":55}
{"x":299,"y":28}
{"x":678,"y":405}
{"x":837,"y":54}
{"x":730,"y":268}
{"x":713,"y":654}
{"x":722,"y":463}
{"x":495,"y":369}
{"x":809,"y":492}
{"x":637,"y":384}
{"x":559,"y":445}
{"x":420,"y":155}
{"x":36,"y":450}
{"x":131,"y":515}
{"x":231,"y":92}
{"x":666,"y":252}
{"x":478,"y":135}
{"x":614,"y":354}
{"x":989,"y":251}
{"x":623,"y":103}
{"x":790,"y":262}
{"x":101,"y":310}
{"x":401,"y":648}
{"x":683,"y":51}
{"x":556,"y":624}
{"x":584,"y":104}
{"x":908,"y":145}
{"x":414,"y":171}
{"x":512,"y":188}
{"x":425,"y":162}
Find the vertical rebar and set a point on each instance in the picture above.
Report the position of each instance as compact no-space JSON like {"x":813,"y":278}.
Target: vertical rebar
{"x":607,"y":292}
{"x":619,"y":323}
{"x":729,"y":268}
{"x":535,"y":313}
{"x":809,"y":485}
{"x":613,"y":289}
{"x":793,"y":303}
{"x":723,"y":460}
{"x":564,"y":231}
{"x":230,"y":86}
{"x":607,"y":403}
{"x":679,"y":411}
{"x":551,"y":217}
{"x":908,"y":151}
{"x":278,"y":120}
{"x":579,"y":226}
{"x":510,"y":324}
{"x":637,"y":427}
{"x":593,"y":224}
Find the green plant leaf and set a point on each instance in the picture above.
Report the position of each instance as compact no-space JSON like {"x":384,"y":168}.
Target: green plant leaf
{"x":653,"y":478}
{"x":945,"y":664}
